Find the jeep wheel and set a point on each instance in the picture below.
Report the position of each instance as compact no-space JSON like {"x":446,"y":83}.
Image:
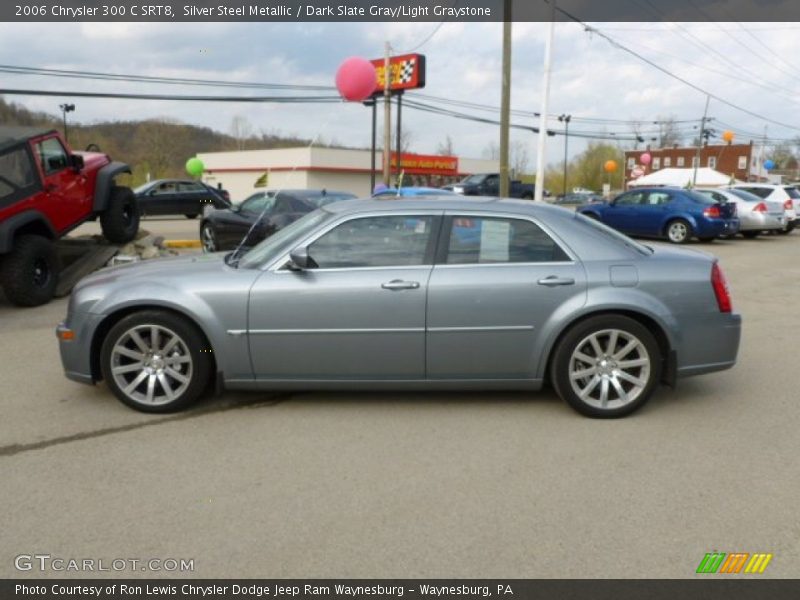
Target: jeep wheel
{"x":29,"y":273}
{"x":120,"y":220}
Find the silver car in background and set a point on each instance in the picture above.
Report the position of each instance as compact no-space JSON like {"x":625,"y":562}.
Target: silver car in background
{"x":756,"y":215}
{"x":787,"y":195}
{"x":443,"y":293}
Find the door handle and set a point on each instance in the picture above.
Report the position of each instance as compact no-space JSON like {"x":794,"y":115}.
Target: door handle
{"x":398,"y":284}
{"x":553,"y":281}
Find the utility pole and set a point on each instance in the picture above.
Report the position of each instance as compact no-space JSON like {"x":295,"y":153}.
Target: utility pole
{"x":700,"y":141}
{"x":505,"y":101}
{"x":565,"y":119}
{"x":373,"y":104}
{"x":761,"y":154}
{"x":538,"y":192}
{"x":387,"y":117}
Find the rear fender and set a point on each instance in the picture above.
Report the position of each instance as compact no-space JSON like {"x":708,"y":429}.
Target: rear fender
{"x":32,"y":219}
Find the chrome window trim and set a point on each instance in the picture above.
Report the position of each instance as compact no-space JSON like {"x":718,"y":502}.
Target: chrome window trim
{"x":236,"y":332}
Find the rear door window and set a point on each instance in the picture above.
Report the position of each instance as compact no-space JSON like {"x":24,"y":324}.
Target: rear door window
{"x":16,"y":172}
{"x":487,"y":240}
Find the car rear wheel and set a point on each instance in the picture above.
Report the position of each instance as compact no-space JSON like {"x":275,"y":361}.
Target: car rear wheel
{"x":29,"y":273}
{"x":120,"y":219}
{"x":679,"y":231}
{"x":155,"y":361}
{"x":208,"y":238}
{"x":606,"y":366}
{"x":707,"y":240}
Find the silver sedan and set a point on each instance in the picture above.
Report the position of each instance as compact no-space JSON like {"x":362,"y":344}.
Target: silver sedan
{"x":409,"y":294}
{"x":756,"y":215}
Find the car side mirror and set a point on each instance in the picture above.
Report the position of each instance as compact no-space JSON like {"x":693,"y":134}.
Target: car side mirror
{"x":299,"y":259}
{"x":76,"y":160}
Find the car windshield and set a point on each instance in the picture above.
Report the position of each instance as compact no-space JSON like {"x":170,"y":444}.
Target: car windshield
{"x":614,"y":234}
{"x":143,"y":188}
{"x":278,"y":242}
{"x":700,"y":197}
{"x":324,"y":200}
{"x":474,"y":179}
{"x":746,"y":196}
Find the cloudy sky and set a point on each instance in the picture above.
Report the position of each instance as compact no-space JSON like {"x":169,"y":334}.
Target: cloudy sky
{"x":751,"y":65}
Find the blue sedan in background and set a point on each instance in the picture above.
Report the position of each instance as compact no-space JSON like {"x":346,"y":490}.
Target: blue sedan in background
{"x":412,"y":191}
{"x":673,"y":213}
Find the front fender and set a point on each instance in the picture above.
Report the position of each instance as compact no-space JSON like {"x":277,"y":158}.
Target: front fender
{"x":105,"y":179}
{"x":231,"y":352}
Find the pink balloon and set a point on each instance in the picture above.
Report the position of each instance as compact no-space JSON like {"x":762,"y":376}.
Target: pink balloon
{"x":645,"y":158}
{"x":356,"y":79}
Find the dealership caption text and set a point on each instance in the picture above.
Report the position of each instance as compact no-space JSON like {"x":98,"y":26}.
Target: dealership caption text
{"x":404,"y":11}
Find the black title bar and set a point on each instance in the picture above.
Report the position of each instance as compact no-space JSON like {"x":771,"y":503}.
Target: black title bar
{"x":396,"y":10}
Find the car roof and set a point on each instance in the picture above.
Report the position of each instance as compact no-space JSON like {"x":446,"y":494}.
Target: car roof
{"x":13,"y":135}
{"x":447,"y":202}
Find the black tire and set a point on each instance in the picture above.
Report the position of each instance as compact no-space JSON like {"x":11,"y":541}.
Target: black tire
{"x":191,"y":216}
{"x":208,"y":238}
{"x":750,"y":235}
{"x":707,"y":240}
{"x":29,"y":273}
{"x":197,"y":371}
{"x":120,"y":220}
{"x":564,"y":362}
{"x":678,"y":231}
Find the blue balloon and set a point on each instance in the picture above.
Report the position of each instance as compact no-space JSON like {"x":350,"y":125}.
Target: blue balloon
{"x":768,"y":164}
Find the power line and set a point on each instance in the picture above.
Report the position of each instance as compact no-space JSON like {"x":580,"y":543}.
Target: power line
{"x":696,"y":87}
{"x":21,"y":70}
{"x":272,"y":99}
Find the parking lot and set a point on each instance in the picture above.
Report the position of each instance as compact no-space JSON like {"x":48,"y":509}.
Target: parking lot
{"x":387,"y":485}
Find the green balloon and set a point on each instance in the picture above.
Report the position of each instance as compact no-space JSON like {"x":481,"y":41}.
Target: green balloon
{"x":195,"y":167}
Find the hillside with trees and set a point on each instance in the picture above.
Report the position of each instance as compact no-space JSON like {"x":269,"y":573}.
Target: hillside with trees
{"x":155,"y":147}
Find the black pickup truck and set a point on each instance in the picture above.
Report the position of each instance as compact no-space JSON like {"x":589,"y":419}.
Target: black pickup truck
{"x":488,"y":184}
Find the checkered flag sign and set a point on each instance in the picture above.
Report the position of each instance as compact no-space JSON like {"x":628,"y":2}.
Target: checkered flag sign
{"x":407,"y":70}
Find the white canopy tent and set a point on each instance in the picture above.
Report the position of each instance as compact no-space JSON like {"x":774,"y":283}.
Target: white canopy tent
{"x":681,"y":177}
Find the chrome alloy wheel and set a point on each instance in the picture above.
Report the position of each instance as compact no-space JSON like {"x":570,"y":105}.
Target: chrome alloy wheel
{"x":207,"y":238}
{"x":609,"y":369}
{"x":151,"y":364}
{"x":677,"y":232}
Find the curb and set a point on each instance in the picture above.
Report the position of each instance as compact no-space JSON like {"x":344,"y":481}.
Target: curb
{"x":182,"y":244}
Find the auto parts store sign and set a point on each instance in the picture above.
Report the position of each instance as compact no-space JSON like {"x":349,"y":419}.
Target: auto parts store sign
{"x":424,"y":164}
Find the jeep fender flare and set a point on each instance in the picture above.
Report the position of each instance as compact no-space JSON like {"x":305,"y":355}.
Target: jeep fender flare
{"x":105,"y":179}
{"x":9,"y":228}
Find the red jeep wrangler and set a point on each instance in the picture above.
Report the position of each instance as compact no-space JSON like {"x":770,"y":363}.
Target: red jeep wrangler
{"x":46,"y":190}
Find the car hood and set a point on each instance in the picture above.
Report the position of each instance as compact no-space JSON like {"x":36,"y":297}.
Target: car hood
{"x":173,"y":267}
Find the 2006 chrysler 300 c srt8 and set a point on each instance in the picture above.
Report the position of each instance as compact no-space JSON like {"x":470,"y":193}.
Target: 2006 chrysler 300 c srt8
{"x":440,"y":293}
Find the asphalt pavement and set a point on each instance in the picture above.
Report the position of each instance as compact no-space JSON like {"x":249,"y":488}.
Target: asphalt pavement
{"x":505,"y":485}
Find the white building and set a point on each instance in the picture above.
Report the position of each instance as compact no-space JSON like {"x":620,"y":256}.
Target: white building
{"x":243,"y":172}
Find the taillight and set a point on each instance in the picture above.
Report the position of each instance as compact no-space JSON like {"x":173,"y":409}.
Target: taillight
{"x":711,"y":211}
{"x":787,"y":205}
{"x":720,"y":285}
{"x":760,"y":207}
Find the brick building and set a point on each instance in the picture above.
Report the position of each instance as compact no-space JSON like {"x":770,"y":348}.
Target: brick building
{"x":740,"y":160}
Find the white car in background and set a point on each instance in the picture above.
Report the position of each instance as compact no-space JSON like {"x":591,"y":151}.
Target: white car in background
{"x":755,"y":214}
{"x":785,"y":194}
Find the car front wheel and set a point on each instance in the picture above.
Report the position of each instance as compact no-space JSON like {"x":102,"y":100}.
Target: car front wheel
{"x":208,"y":238}
{"x":606,"y":366}
{"x":155,"y":361}
{"x":679,"y":231}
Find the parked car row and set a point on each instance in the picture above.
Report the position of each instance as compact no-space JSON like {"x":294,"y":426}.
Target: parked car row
{"x":679,"y":214}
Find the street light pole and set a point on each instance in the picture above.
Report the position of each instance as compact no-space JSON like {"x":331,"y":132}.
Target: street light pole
{"x":565,"y":119}
{"x":65,"y":108}
{"x":538,"y":192}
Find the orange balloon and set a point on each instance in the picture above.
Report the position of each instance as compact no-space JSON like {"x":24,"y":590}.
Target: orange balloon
{"x":727,"y":136}
{"x":610,"y":166}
